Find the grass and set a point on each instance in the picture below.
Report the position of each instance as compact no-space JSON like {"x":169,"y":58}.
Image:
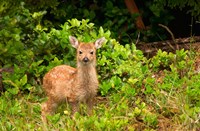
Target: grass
{"x":171,"y":103}
{"x":23,"y":113}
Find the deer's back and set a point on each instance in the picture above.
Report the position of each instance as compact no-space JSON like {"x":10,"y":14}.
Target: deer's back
{"x":59,"y":80}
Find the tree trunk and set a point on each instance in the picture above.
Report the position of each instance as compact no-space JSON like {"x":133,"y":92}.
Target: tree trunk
{"x":132,"y":7}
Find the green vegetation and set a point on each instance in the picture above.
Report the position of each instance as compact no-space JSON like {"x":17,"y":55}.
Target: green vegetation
{"x":135,"y":93}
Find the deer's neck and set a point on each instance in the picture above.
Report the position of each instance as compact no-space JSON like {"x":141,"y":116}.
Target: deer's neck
{"x":86,"y":75}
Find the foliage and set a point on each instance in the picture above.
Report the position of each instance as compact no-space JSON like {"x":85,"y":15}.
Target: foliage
{"x":138,"y":91}
{"x":106,"y":14}
{"x":192,"y":4}
{"x":103,"y":13}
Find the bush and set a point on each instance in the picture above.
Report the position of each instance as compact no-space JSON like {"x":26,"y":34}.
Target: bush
{"x":32,"y":50}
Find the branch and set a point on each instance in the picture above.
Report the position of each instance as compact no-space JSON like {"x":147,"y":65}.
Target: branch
{"x":172,"y":35}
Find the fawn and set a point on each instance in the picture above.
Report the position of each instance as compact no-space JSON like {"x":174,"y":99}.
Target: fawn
{"x":65,"y":83}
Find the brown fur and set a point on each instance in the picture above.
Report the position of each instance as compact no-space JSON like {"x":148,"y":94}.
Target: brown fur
{"x":65,"y":83}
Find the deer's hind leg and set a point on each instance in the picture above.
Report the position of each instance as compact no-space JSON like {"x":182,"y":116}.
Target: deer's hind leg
{"x":48,"y":108}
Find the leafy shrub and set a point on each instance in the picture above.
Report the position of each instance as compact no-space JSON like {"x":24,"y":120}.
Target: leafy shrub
{"x":118,"y":68}
{"x":103,"y":13}
{"x":174,"y":88}
{"x":35,"y":49}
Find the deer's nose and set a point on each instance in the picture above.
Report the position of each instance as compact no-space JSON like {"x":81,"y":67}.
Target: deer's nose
{"x":85,"y":59}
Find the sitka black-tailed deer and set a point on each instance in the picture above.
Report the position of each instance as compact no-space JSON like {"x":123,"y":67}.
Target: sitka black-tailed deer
{"x":73,"y":85}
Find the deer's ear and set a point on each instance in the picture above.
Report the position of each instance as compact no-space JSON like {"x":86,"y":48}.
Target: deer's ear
{"x":98,"y":43}
{"x":73,"y":41}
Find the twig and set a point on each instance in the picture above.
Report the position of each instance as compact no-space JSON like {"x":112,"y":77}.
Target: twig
{"x":172,"y":35}
{"x":165,"y":27}
{"x":191,"y":29}
{"x":138,"y":38}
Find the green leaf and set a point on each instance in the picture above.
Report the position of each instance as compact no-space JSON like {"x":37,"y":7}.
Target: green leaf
{"x":54,"y":118}
{"x":132,"y":81}
{"x":107,"y":34}
{"x":74,"y":22}
{"x":23,"y":80}
{"x":105,"y":87}
{"x":101,"y":32}
{"x":13,"y":91}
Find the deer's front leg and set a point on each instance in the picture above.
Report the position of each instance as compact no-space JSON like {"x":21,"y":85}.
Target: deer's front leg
{"x":74,"y":107}
{"x":90,"y":104}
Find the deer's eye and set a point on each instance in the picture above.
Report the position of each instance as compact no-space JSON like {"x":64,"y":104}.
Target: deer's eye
{"x":80,"y":52}
{"x":91,"y":52}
